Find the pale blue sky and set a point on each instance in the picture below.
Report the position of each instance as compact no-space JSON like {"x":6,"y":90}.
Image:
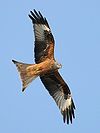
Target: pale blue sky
{"x":76,"y":28}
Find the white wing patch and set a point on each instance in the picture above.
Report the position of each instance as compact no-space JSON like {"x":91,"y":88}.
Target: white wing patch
{"x":39,"y":31}
{"x":62,"y":103}
{"x":45,"y":28}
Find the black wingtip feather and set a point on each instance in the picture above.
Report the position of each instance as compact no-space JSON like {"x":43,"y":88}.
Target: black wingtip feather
{"x":37,"y":18}
{"x":14,"y":61}
{"x":67,"y":116}
{"x":40,"y":14}
{"x":34,"y":16}
{"x":70,"y":115}
{"x":35,"y":10}
{"x":30,"y":17}
{"x":73,"y":104}
{"x":23,"y":89}
{"x":47,"y":22}
{"x":37,"y":14}
{"x":64,"y":116}
{"x":72,"y":111}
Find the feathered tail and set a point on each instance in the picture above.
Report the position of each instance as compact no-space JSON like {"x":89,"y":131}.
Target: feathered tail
{"x":28,"y":72}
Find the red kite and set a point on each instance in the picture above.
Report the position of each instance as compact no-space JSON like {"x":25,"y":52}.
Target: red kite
{"x":46,"y":67}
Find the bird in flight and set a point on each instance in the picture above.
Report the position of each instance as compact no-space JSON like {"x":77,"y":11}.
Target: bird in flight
{"x":46,"y":67}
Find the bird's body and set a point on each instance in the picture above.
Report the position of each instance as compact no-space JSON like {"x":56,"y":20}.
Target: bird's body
{"x":28,"y":72}
{"x":46,"y":67}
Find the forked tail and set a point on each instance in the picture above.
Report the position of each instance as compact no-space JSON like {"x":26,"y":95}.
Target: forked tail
{"x":28,"y":72}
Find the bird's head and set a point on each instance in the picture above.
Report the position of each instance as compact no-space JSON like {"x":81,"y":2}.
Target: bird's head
{"x":58,"y":65}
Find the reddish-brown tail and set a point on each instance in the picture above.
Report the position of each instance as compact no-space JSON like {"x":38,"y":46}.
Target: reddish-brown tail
{"x":28,"y":72}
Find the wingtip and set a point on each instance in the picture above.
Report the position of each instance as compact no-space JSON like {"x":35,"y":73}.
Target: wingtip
{"x":64,"y":116}
{"x":23,"y":89}
{"x":14,"y":61}
{"x":30,"y":16}
{"x":31,"y":12}
{"x":34,"y":10}
{"x":73,"y":104}
{"x":68,"y":116}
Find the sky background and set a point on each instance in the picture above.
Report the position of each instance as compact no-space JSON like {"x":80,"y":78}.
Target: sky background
{"x":76,"y":27}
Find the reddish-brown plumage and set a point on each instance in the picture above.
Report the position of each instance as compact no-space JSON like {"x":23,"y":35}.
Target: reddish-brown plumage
{"x":46,"y":67}
{"x":50,"y":54}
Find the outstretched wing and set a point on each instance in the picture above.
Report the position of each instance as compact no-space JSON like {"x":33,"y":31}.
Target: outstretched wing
{"x":60,"y":91}
{"x":44,"y":40}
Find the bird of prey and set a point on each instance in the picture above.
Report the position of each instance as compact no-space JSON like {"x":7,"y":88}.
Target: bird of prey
{"x":46,"y":67}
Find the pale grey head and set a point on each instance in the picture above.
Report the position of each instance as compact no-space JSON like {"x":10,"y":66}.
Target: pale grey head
{"x":57,"y":65}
